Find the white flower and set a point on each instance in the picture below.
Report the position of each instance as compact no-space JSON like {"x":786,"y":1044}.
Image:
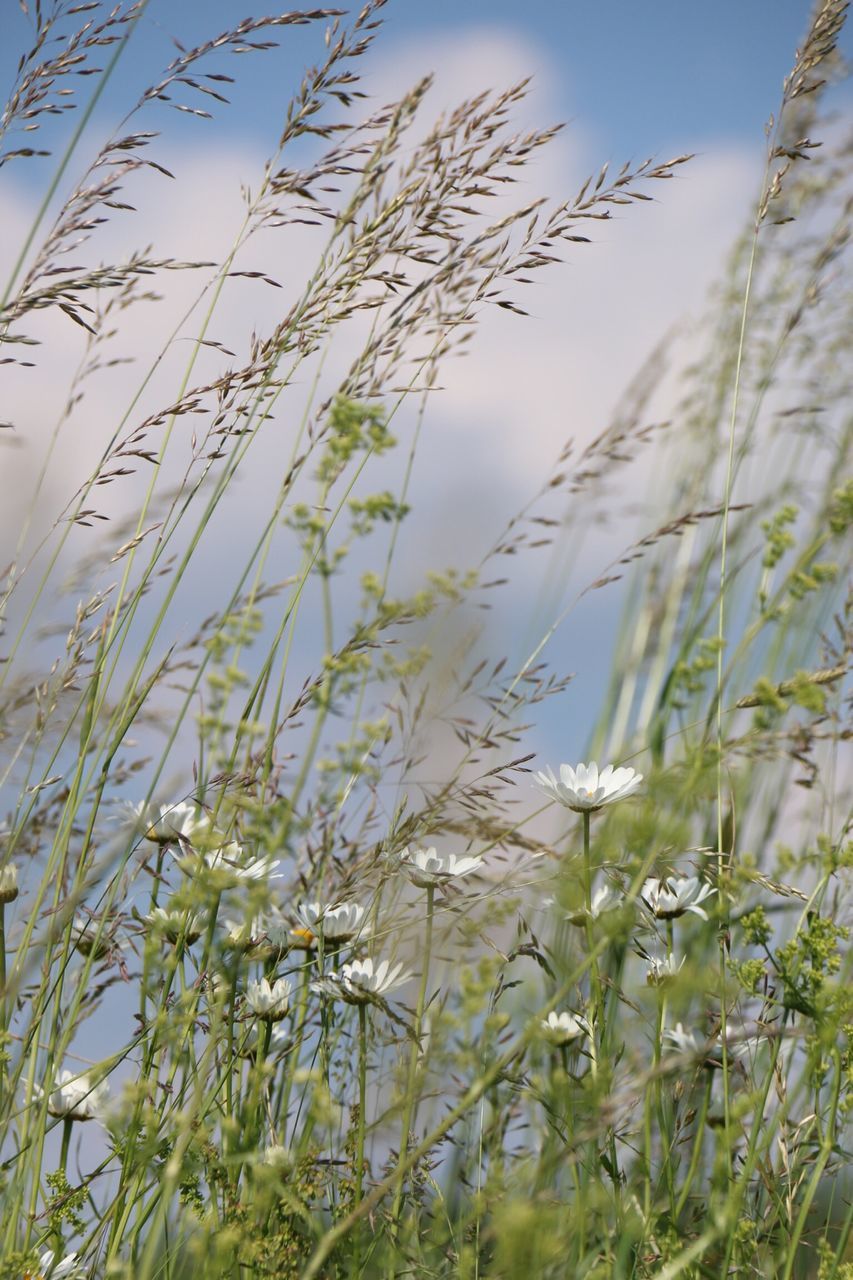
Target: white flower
{"x":8,"y":883}
{"x":584,"y":789}
{"x":604,"y":899}
{"x":739,"y":1044}
{"x":269,"y":1002}
{"x":426,"y":867}
{"x":165,"y":823}
{"x":228,"y":864}
{"x":66,"y":1268}
{"x":674,"y":895}
{"x":684,"y":1041}
{"x":278,"y":1156}
{"x":562,"y":1028}
{"x":74,"y":1097}
{"x":660,"y":971}
{"x":359,"y":981}
{"x":174,"y":924}
{"x":249,"y":936}
{"x":339,"y":922}
{"x":91,"y":937}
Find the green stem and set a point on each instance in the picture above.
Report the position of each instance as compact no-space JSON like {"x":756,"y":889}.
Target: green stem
{"x":409,"y":1108}
{"x":362,"y":1098}
{"x":595,"y":1011}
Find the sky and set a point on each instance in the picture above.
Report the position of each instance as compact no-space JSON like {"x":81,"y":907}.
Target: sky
{"x":629,"y":80}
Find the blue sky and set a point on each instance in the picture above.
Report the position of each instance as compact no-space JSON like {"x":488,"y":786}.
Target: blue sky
{"x":640,"y":78}
{"x":631,"y":81}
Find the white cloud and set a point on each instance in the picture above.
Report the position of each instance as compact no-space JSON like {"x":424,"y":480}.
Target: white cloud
{"x":506,"y":409}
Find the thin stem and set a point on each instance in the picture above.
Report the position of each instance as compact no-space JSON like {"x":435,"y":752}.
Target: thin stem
{"x":362,"y":1099}
{"x":596,"y":1011}
{"x":409,"y":1107}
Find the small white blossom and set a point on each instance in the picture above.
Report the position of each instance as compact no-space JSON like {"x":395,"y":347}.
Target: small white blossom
{"x":361,"y":980}
{"x":248,"y":936}
{"x":426,"y":867}
{"x":66,"y":1268}
{"x":174,"y":924}
{"x":8,"y":883}
{"x":74,"y":1097}
{"x":227,"y":864}
{"x":684,"y":1041}
{"x":165,"y":823}
{"x":660,"y":971}
{"x":269,"y":1002}
{"x":339,"y":922}
{"x":277,"y":1156}
{"x":604,"y":899}
{"x":584,"y":789}
{"x":675,"y":895}
{"x":91,"y":937}
{"x":562,"y":1028}
{"x":739,"y":1044}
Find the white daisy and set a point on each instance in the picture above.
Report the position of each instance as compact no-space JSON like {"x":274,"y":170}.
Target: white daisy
{"x":740,"y":1044}
{"x":684,"y":1041}
{"x":584,"y":789}
{"x":66,"y":1268}
{"x":249,"y":936}
{"x":90,"y":937}
{"x":74,"y":1097}
{"x":604,"y":899}
{"x":8,"y":883}
{"x":269,"y":1002}
{"x":673,"y":896}
{"x":278,"y":1156}
{"x":228,"y":864}
{"x":165,"y":823}
{"x":338,"y":922}
{"x":361,"y":980}
{"x":562,"y":1028}
{"x":426,"y":867}
{"x":174,"y":924}
{"x":660,"y":971}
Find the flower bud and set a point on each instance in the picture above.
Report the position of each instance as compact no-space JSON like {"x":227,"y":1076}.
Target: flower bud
{"x":8,"y":883}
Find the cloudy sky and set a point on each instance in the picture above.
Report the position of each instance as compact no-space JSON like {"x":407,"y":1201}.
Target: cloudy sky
{"x":630,"y":81}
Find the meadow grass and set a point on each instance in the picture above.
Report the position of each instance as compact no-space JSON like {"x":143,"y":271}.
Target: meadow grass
{"x":308,"y":968}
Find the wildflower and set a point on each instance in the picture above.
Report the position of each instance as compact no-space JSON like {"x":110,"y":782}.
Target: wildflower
{"x":278,"y":1156}
{"x":584,"y":789}
{"x":269,"y":1002}
{"x":66,"y":1268}
{"x":739,"y":1044}
{"x":562,"y":1028}
{"x":8,"y":883}
{"x":165,"y":823}
{"x":301,"y":939}
{"x":175,"y":925}
{"x":427,"y":868}
{"x":74,"y":1097}
{"x":659,"y":972}
{"x":360,"y":981}
{"x":88,"y":940}
{"x":340,"y":922}
{"x":251,"y":938}
{"x":684,"y":1041}
{"x":674,"y":896}
{"x":604,"y":899}
{"x":227,"y":864}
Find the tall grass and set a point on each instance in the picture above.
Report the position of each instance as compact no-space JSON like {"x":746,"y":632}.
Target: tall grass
{"x":300,"y":974}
